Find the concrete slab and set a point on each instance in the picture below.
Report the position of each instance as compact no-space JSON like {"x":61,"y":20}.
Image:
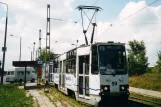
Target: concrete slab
{"x":42,"y":100}
{"x":145,"y":92}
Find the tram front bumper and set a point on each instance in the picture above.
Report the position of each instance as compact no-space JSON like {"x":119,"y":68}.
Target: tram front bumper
{"x":108,"y":94}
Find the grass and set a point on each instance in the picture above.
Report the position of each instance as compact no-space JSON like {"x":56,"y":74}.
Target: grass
{"x":150,"y":81}
{"x":148,"y":98}
{"x":11,"y":96}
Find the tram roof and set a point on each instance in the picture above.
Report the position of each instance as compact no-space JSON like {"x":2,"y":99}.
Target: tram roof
{"x":96,"y":43}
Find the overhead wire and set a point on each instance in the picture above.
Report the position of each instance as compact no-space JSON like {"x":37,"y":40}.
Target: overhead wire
{"x":128,"y":16}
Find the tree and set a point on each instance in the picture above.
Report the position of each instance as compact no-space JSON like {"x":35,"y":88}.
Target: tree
{"x":45,"y":57}
{"x":137,"y":60}
{"x":158,"y":66}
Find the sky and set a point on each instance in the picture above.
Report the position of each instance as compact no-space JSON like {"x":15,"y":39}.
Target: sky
{"x":26,"y":17}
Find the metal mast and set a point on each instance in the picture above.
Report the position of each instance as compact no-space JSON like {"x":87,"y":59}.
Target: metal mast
{"x":39,"y":53}
{"x":47,"y":39}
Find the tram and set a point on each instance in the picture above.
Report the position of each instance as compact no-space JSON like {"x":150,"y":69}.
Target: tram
{"x":90,"y":73}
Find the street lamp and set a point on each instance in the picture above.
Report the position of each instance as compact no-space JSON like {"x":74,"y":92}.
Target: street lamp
{"x":4,"y":48}
{"x":20,"y":45}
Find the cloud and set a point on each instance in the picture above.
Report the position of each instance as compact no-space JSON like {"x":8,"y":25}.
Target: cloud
{"x":26,"y":17}
{"x":145,"y":25}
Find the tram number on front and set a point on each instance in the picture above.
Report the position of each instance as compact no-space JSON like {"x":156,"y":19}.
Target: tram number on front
{"x":114,"y":83}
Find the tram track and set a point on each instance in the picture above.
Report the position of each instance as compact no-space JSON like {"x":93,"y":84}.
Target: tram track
{"x":141,"y":100}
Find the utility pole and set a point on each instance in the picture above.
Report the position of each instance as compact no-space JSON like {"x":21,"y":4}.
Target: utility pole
{"x":47,"y":40}
{"x":20,"y":49}
{"x":4,"y":48}
{"x":40,"y":44}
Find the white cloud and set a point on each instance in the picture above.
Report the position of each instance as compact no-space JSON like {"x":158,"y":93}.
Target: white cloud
{"x":142,"y":26}
{"x":28,"y":16}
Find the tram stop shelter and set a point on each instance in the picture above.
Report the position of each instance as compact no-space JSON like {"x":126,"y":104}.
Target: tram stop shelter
{"x":26,"y":64}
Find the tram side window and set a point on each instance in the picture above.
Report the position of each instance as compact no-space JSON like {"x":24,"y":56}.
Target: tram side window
{"x":56,"y":66}
{"x":60,"y":66}
{"x":71,"y":62}
{"x":94,"y":60}
{"x":84,"y":59}
{"x":87,"y":64}
{"x":81,"y":61}
{"x":64,"y":66}
{"x":12,"y":73}
{"x":8,"y":73}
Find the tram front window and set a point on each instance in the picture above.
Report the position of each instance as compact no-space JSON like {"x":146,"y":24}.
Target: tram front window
{"x":112,"y":59}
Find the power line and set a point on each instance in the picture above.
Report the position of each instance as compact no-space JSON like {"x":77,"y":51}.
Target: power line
{"x":128,"y":16}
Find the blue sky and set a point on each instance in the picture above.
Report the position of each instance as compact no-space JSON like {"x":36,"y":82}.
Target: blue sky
{"x":111,"y":8}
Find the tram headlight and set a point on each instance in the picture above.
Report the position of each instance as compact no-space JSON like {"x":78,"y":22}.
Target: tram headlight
{"x":122,"y":87}
{"x":105,"y":88}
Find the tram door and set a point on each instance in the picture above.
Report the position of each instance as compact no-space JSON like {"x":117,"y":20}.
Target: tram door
{"x":83,"y":80}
